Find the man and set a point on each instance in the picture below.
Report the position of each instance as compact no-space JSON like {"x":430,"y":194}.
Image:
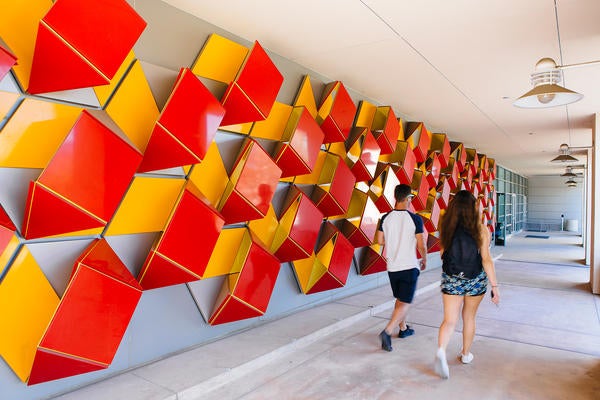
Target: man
{"x":402,"y":234}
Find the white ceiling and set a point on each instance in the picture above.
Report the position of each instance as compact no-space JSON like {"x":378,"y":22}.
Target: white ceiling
{"x":456,"y":65}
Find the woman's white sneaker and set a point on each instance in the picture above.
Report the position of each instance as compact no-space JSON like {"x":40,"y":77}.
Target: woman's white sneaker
{"x":465,"y":358}
{"x":441,"y":365}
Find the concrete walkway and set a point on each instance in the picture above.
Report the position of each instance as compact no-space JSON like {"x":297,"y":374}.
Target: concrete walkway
{"x":543,"y":342}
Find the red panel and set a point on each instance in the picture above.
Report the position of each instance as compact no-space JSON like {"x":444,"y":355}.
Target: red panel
{"x":431,"y":223}
{"x":193,"y":218}
{"x":5,"y":236}
{"x":421,"y":139}
{"x":103,"y":31}
{"x":56,"y":67}
{"x":102,"y":308}
{"x":158,"y":272}
{"x":364,"y":168}
{"x":101,"y":257}
{"x":326,"y":282}
{"x":47,"y":215}
{"x":386,"y":201}
{"x":433,"y":244}
{"x":419,"y":183}
{"x":192,"y":114}
{"x":460,"y":155}
{"x":5,"y":220}
{"x":7,"y":60}
{"x":441,"y":145}
{"x":93,"y":167}
{"x":251,"y":96}
{"x":407,"y":162}
{"x":232,"y":309}
{"x":255,"y":178}
{"x":165,"y":151}
{"x":443,"y":189}
{"x":341,"y":259}
{"x":299,"y":155}
{"x":305,"y":229}
{"x":338,"y":123}
{"x":335,"y":197}
{"x":372,"y":262}
{"x":433,"y":170}
{"x":388,"y":138}
{"x":451,"y":173}
{"x":48,"y":366}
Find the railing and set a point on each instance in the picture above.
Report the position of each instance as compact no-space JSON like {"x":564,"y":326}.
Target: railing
{"x":543,"y":225}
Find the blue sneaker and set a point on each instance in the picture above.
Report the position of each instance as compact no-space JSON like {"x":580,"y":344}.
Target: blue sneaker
{"x":386,"y":341}
{"x":406,"y":333}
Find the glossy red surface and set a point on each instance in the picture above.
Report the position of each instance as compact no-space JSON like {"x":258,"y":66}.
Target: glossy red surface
{"x":372,"y":262}
{"x":299,"y":155}
{"x":47,"y":215}
{"x":441,"y":145}
{"x":386,"y":201}
{"x":165,"y":151}
{"x":342,"y":185}
{"x":364,"y":168}
{"x":254,"y":186}
{"x":56,"y":67}
{"x":407,"y":164}
{"x":443,"y":189}
{"x":431,"y":223}
{"x":193,"y":218}
{"x":433,"y":244}
{"x":103,"y":31}
{"x":232,"y":309}
{"x":326,"y":282}
{"x":101,"y":257}
{"x":192,"y":114}
{"x":5,"y":220}
{"x":419,"y":202}
{"x":159,"y":271}
{"x":343,"y":251}
{"x":7,"y":60}
{"x":93,"y":167}
{"x":338,"y":123}
{"x":254,"y":91}
{"x":433,"y":170}
{"x":48,"y":366}
{"x":451,"y":173}
{"x":102,"y":307}
{"x":388,"y":138}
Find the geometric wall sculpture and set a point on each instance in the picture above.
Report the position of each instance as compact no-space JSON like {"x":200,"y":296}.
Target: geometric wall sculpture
{"x":329,"y":266}
{"x":247,"y":290}
{"x":360,"y":221}
{"x":402,"y":160}
{"x":296,"y":153}
{"x":251,"y":185}
{"x":298,"y":227}
{"x":251,"y":95}
{"x":433,"y":167}
{"x":220,"y":59}
{"x":27,"y":303}
{"x":186,"y":126}
{"x":101,"y":297}
{"x":387,"y":129}
{"x":441,"y":145}
{"x":336,"y":112}
{"x":82,"y":44}
{"x":382,"y":188}
{"x":182,"y":252}
{"x":306,"y":97}
{"x":362,"y":154}
{"x":334,"y":187}
{"x":372,"y":260}
{"x":419,"y":139}
{"x":84,"y":182}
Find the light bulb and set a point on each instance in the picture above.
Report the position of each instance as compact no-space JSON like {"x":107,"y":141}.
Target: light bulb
{"x":545,"y":98}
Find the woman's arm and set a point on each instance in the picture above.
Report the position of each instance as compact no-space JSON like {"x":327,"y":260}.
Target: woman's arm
{"x":488,"y":262}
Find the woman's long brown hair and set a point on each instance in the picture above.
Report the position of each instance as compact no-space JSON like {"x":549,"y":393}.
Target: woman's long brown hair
{"x":461,"y":211}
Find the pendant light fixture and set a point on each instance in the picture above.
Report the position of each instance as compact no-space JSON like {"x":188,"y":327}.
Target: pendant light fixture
{"x":569,"y":173}
{"x":565,"y":154}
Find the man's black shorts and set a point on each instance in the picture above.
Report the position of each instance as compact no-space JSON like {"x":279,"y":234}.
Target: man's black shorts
{"x":404,"y":284}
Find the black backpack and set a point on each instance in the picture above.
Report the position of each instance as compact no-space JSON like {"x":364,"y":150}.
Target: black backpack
{"x":462,"y":259}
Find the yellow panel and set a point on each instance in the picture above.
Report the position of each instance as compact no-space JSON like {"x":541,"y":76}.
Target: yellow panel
{"x":316,"y":273}
{"x":243,"y":129}
{"x":324,"y":255}
{"x":366,"y":114}
{"x":313,"y":177}
{"x":85,"y":232}
{"x":146,"y":206}
{"x":19,"y":21}
{"x":34,"y":133}
{"x":220,"y":59}
{"x":303,"y":269}
{"x":103,"y":92}
{"x":225,"y":252}
{"x":133,"y":107}
{"x":306,"y":97}
{"x":265,"y":228}
{"x":7,"y":100}
{"x":210,"y":176}
{"x":8,"y":252}
{"x":274,"y":126}
{"x":326,"y":107}
{"x":339,"y":148}
{"x":27,"y":303}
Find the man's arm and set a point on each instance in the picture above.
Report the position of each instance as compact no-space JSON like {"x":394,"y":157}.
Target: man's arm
{"x":379,"y":237}
{"x":422,"y":249}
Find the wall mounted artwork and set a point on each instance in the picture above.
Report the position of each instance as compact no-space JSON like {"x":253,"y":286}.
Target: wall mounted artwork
{"x":196,"y":178}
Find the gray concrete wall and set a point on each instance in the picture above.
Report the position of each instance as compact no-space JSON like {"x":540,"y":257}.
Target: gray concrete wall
{"x":549,"y":198}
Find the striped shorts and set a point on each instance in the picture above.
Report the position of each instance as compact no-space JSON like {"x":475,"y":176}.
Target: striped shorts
{"x":463,"y":286}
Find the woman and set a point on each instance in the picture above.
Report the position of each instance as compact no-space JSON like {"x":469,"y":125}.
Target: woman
{"x":468,"y":268}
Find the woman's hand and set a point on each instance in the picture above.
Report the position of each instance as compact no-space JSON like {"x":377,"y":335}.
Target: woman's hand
{"x":495,"y":295}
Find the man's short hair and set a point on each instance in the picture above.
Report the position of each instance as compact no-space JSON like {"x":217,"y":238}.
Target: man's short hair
{"x":402,"y":191}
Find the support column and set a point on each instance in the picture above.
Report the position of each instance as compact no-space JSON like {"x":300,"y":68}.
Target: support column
{"x":595,"y":207}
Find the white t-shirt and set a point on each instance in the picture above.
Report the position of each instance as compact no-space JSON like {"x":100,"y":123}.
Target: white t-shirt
{"x":399,"y":229}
